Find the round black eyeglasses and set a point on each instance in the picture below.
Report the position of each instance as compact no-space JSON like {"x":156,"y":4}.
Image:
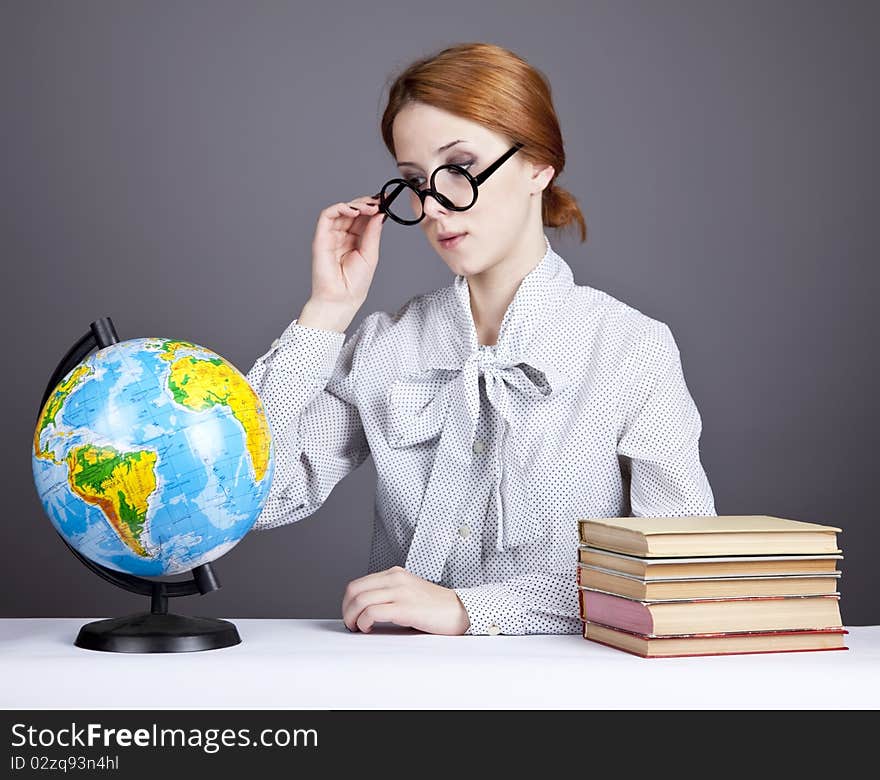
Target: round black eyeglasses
{"x":451,"y":185}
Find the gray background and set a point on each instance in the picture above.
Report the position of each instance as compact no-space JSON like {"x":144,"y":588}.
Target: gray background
{"x":164,"y":164}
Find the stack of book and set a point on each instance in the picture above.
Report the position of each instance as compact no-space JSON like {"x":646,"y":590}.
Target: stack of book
{"x":681,"y":586}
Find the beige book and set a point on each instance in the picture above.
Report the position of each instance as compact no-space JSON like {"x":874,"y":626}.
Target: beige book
{"x":705,"y":587}
{"x":707,"y":566}
{"x":719,"y":644}
{"x":713,"y":535}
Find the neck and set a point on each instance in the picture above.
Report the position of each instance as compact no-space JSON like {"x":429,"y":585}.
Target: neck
{"x":492,"y":290}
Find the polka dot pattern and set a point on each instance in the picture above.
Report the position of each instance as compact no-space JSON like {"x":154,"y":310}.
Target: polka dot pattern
{"x":487,"y":455}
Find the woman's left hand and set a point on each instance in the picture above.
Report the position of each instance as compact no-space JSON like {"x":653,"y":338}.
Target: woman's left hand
{"x":399,"y":596}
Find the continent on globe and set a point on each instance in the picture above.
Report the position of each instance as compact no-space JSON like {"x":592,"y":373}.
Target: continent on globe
{"x":119,"y":483}
{"x":200,"y":383}
{"x":54,"y":403}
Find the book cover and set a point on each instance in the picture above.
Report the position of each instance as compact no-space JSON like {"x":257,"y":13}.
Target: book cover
{"x":714,"y":524}
{"x":710,"y":558}
{"x":659,"y":588}
{"x":715,"y":643}
{"x":801,"y":575}
{"x":707,"y":565}
{"x":707,"y":535}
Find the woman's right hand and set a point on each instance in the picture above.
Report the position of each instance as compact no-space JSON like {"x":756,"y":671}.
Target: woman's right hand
{"x":345,"y":253}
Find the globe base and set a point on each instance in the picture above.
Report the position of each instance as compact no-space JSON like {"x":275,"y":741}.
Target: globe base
{"x":148,"y":632}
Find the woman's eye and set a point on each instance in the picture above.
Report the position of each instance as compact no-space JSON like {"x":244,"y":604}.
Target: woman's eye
{"x":466,"y":164}
{"x":415,"y":181}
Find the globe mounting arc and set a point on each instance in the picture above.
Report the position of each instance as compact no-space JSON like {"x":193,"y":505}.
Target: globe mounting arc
{"x":102,"y":333}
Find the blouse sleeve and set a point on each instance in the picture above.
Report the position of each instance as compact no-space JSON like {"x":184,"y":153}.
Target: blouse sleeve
{"x":306,"y":382}
{"x":658,"y":445}
{"x":538,"y":603}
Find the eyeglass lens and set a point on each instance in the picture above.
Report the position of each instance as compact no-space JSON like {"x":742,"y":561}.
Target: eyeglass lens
{"x":450,"y":183}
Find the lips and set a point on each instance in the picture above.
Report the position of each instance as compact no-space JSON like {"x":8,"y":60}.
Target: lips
{"x":453,"y":242}
{"x":447,"y":236}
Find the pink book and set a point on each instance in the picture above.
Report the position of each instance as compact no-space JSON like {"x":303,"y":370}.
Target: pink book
{"x":688,"y":616}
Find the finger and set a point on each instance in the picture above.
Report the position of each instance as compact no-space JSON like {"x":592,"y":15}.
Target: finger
{"x":348,"y":208}
{"x":342,"y":215}
{"x":367,"y":582}
{"x":358,"y":583}
{"x":367,"y":213}
{"x":338,"y":216}
{"x":335,"y":216}
{"x":341,"y":209}
{"x":371,"y":234}
{"x":364,"y":203}
{"x":380,"y":613}
{"x":364,"y":600}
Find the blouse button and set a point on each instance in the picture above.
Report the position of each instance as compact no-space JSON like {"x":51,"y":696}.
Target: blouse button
{"x":464,"y":531}
{"x":493,"y":629}
{"x":275,"y":343}
{"x":479,"y":446}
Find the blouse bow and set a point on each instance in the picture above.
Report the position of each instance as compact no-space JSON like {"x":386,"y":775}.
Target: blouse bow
{"x":446,"y":401}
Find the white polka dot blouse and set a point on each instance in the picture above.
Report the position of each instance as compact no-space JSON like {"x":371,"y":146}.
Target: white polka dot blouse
{"x":486,"y":456}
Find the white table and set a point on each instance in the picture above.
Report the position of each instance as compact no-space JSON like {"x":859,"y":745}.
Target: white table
{"x":319,"y":664}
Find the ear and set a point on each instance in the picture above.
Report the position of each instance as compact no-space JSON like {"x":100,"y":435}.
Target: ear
{"x":541,"y":176}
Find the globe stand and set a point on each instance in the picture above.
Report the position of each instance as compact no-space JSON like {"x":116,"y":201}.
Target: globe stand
{"x":156,"y":631}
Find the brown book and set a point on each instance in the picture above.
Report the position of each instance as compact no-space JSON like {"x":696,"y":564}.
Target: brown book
{"x":712,"y":535}
{"x":704,"y":587}
{"x":708,"y":565}
{"x":697,"y":616}
{"x":716,"y":644}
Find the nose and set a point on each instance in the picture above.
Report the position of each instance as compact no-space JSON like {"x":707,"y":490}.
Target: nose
{"x":432,"y":207}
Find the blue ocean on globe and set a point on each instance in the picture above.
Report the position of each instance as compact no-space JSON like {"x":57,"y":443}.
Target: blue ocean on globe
{"x":153,"y":456}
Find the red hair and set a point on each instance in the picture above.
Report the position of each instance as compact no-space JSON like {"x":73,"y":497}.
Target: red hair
{"x":494,"y":87}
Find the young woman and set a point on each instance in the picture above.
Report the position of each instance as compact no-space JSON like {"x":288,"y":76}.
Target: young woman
{"x":499,"y":409}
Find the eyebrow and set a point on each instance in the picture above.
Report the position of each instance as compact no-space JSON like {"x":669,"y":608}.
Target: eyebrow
{"x":400,"y":163}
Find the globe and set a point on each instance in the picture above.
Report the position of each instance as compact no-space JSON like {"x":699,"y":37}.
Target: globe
{"x":153,"y":456}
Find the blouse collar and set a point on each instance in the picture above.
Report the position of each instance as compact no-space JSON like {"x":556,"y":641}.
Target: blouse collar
{"x":450,"y":335}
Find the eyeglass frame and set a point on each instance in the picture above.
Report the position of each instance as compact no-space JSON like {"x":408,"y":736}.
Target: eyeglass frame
{"x":475,"y":182}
